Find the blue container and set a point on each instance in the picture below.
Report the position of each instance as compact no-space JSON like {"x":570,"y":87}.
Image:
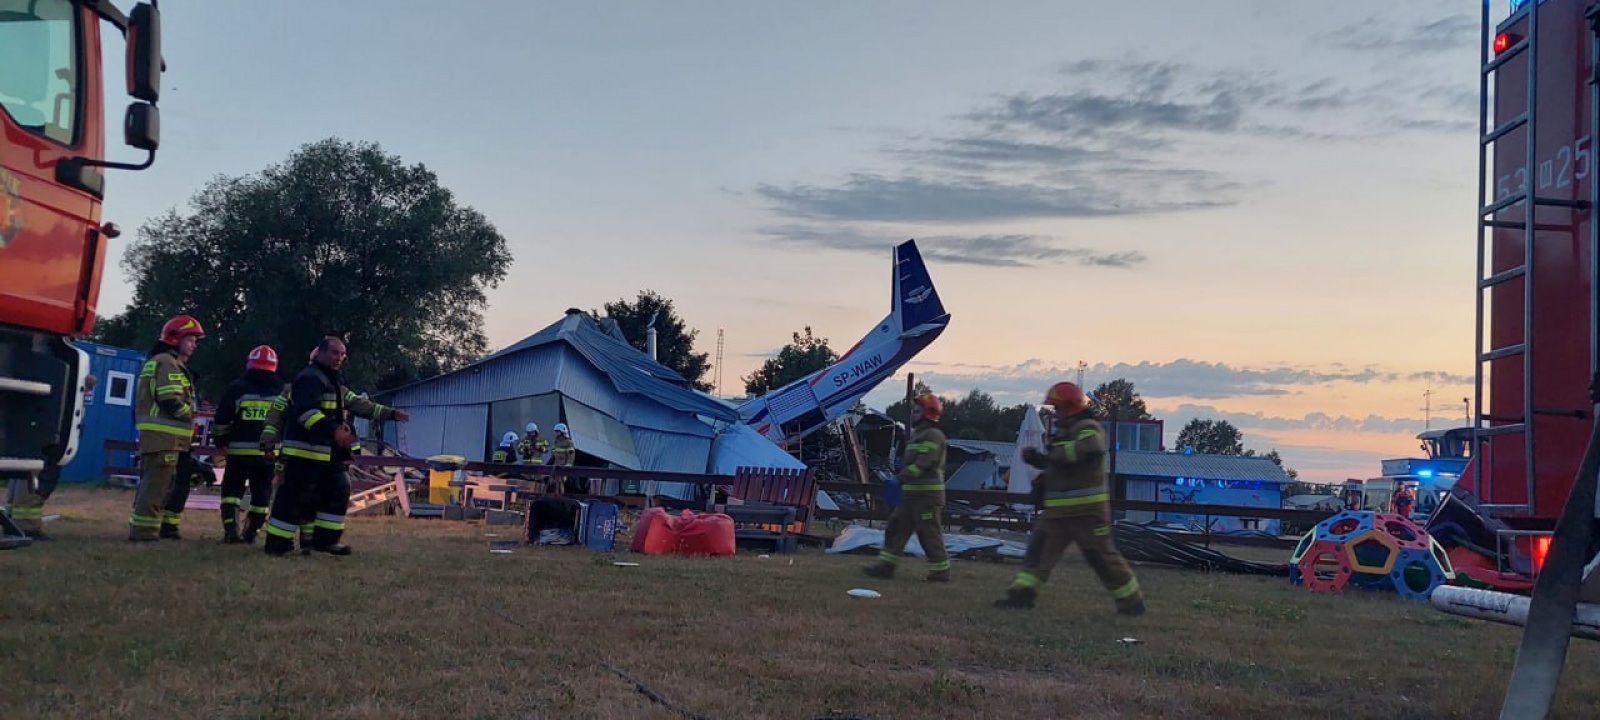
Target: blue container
{"x":107,"y":412}
{"x":597,"y":525}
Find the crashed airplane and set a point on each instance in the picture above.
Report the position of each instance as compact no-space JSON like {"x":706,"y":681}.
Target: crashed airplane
{"x":916,"y":318}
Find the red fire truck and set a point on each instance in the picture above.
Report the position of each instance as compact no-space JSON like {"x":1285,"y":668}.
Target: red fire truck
{"x":52,"y":243}
{"x":1537,"y":336}
{"x":1536,"y":444}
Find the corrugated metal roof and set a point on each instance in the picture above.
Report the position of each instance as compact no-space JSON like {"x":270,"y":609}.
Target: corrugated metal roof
{"x":974,"y":475}
{"x":532,"y":373}
{"x":739,"y":445}
{"x":622,"y":366}
{"x":671,"y":452}
{"x":665,"y":419}
{"x":1209,"y":467}
{"x":1002,"y":450}
{"x":601,"y":435}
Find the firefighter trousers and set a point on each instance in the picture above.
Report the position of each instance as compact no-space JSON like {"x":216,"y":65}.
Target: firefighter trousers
{"x":921,"y":514}
{"x":255,"y":474}
{"x":26,"y":507}
{"x":1092,"y":533}
{"x":311,"y":502}
{"x":163,"y":491}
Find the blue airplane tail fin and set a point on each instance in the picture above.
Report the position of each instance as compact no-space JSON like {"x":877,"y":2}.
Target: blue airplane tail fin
{"x":916,"y":302}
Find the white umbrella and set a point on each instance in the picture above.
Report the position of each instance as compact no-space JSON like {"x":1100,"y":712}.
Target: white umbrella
{"x":1031,"y":434}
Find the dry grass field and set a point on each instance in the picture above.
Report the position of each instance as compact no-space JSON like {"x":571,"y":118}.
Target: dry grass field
{"x":424,"y":622}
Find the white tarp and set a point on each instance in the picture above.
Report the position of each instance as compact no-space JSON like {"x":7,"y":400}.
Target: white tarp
{"x":856,"y":537}
{"x":1031,"y":434}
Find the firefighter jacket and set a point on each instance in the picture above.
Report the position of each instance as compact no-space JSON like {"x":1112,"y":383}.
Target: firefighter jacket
{"x":242,"y":416}
{"x":565,"y":453}
{"x":532,"y":449}
{"x":1074,"y":481}
{"x":318,"y":404}
{"x":164,"y":405}
{"x":923,"y":470}
{"x":505,"y":454}
{"x":272,"y":428}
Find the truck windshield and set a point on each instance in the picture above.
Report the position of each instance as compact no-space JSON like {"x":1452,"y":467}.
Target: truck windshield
{"x":39,"y":51}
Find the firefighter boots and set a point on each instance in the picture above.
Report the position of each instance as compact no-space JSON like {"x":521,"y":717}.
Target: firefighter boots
{"x":882,"y":571}
{"x":1020,"y":598}
{"x":252,"y":525}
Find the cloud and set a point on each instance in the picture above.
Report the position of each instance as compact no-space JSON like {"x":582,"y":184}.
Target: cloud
{"x":1182,"y":378}
{"x":1456,"y":32}
{"x":876,"y":198}
{"x":983,"y":152}
{"x":1113,"y":138}
{"x":1117,"y":260}
{"x":984,"y":250}
{"x":1310,"y":421}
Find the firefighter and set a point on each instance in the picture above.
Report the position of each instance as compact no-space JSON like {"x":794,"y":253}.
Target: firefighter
{"x":533,"y":446}
{"x":272,"y":442}
{"x":922,"y":496}
{"x":25,"y":497}
{"x":316,"y":447}
{"x":237,"y":430}
{"x":1073,"y":500}
{"x":164,"y":414}
{"x":507,"y":452}
{"x":1404,"y":498}
{"x":564,"y":454}
{"x":25,"y":502}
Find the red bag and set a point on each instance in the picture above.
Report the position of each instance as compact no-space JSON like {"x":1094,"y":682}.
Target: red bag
{"x":707,"y":535}
{"x":651,"y":518}
{"x":661,"y":538}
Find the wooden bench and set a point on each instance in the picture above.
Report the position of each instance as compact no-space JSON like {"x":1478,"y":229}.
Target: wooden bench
{"x":778,"y":486}
{"x":763,"y":525}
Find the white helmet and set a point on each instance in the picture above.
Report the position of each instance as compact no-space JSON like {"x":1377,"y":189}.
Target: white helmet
{"x":532,"y":428}
{"x":509,"y":438}
{"x":561,"y":429}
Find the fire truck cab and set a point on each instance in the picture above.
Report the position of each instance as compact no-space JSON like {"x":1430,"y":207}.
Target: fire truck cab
{"x":52,"y":242}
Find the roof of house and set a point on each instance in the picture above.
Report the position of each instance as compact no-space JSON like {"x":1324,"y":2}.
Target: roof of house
{"x":627,"y":370}
{"x":1002,"y":450}
{"x":1209,"y":467}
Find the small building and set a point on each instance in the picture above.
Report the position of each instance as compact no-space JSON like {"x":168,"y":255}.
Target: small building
{"x":978,"y":464}
{"x":107,"y":411}
{"x":1137,"y":435}
{"x":624,"y":409}
{"x":1234,"y":480}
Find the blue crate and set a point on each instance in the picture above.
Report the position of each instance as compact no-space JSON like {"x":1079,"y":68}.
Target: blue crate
{"x":597,"y":525}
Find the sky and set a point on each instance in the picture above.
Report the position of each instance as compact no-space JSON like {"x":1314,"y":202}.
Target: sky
{"x":1254,"y":210}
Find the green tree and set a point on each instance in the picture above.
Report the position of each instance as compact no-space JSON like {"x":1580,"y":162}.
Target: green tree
{"x":975,"y":416}
{"x":674,"y":340}
{"x":1211,"y":437}
{"x":1118,"y":393}
{"x":1278,"y":460}
{"x":341,"y":238}
{"x":801,"y":357}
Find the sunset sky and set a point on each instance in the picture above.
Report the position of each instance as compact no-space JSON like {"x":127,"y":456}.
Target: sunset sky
{"x":1254,"y":210}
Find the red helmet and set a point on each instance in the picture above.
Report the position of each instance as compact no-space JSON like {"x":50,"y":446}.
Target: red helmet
{"x":1066,"y":398}
{"x":180,"y":327}
{"x":932,"y":406}
{"x":262,"y":358}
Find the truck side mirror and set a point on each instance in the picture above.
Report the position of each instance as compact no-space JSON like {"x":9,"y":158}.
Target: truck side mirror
{"x":144,"y":53}
{"x":142,"y":128}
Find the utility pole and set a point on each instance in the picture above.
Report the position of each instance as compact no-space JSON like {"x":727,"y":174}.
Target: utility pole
{"x":719,"y":363}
